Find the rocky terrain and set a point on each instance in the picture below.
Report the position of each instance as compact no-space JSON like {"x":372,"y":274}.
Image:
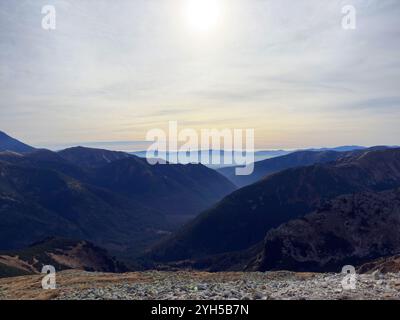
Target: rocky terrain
{"x":352,"y":229}
{"x":383,"y":265}
{"x":80,"y":285}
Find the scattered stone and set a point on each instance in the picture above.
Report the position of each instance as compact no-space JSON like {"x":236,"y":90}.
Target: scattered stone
{"x":201,"y":287}
{"x":257,"y":296}
{"x":377,"y":275}
{"x":151,"y":285}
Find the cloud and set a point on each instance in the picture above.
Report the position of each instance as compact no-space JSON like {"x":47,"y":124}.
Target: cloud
{"x":379,"y":104}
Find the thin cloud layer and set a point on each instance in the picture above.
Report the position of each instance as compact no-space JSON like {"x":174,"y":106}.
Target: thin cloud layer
{"x":112,"y":71}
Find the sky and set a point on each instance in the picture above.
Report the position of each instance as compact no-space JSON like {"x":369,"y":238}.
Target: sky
{"x":113,"y":70}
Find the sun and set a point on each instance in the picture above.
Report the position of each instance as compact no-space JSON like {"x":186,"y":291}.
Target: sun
{"x":202,"y":15}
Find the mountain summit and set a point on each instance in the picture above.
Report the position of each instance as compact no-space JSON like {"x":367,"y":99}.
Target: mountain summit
{"x":8,"y":143}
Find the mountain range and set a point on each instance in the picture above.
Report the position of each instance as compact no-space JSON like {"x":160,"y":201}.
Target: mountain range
{"x":308,"y":210}
{"x":295,"y":159}
{"x":258,"y":156}
{"x":241,"y":221}
{"x":114,"y":199}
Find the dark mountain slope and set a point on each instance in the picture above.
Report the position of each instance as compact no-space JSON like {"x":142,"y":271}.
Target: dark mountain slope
{"x":243,"y":218}
{"x":46,"y":159}
{"x":35,"y":203}
{"x":351,"y":229}
{"x":8,"y":143}
{"x":114,"y":199}
{"x":177,"y":189}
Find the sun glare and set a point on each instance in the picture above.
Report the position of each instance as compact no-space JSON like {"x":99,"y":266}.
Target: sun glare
{"x":202,"y":15}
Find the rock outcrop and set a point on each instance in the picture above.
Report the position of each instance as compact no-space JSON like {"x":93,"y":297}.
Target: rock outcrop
{"x":352,"y":229}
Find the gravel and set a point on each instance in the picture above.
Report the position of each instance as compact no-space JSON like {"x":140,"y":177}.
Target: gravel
{"x":192,"y":285}
{"x":240,"y":286}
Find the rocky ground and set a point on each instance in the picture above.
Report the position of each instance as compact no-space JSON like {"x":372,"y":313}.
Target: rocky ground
{"x":77,"y":285}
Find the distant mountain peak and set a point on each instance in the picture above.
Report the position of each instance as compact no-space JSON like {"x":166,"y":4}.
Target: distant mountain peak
{"x":8,"y":143}
{"x":90,"y":157}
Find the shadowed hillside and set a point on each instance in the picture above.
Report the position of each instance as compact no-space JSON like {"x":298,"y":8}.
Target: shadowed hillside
{"x":114,"y":199}
{"x":351,"y":229}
